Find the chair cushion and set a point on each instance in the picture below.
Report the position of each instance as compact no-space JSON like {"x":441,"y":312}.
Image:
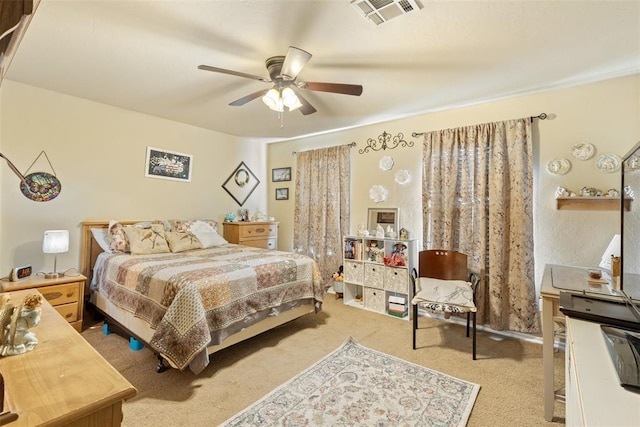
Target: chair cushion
{"x":453,"y":296}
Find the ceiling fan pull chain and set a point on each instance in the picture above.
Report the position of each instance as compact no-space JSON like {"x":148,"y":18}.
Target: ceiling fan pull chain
{"x":281,"y":114}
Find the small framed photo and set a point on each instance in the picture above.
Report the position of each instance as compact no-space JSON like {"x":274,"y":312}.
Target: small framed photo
{"x":167,"y":164}
{"x":282,"y":194}
{"x":281,"y":174}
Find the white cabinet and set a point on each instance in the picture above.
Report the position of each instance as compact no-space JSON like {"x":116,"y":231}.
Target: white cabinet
{"x":377,"y":274}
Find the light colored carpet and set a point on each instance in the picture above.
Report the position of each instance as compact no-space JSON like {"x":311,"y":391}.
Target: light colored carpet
{"x":509,"y":370}
{"x":356,"y":385}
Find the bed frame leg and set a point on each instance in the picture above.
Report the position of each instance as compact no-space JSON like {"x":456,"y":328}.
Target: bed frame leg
{"x":161,"y":367}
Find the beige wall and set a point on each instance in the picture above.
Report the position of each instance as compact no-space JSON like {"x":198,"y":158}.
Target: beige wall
{"x":605,"y":114}
{"x":98,"y":153}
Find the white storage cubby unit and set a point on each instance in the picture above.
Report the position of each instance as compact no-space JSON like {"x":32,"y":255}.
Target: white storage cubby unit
{"x":377,"y":274}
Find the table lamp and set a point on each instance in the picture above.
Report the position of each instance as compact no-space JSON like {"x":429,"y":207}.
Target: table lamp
{"x":612,"y":250}
{"x":55,"y":242}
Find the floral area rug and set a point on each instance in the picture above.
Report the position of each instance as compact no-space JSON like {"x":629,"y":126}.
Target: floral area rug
{"x":358,"y":386}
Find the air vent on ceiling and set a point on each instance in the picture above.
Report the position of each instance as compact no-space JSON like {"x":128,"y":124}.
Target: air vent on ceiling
{"x":380,"y":11}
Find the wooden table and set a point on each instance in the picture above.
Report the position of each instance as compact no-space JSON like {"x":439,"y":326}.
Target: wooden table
{"x":557,"y":278}
{"x":63,"y":381}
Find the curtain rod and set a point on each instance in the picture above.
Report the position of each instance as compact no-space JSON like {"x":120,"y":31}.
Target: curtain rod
{"x":541,"y":116}
{"x":350,"y":145}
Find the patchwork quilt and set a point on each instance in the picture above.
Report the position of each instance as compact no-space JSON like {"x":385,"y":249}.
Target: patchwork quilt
{"x":196,"y":298}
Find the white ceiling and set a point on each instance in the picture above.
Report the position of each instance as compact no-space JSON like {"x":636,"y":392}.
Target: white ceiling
{"x":143,"y":56}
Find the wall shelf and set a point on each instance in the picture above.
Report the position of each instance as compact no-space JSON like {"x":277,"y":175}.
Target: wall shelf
{"x":592,"y":203}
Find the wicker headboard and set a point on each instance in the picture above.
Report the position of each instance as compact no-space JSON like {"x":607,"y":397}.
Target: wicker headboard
{"x":90,"y":248}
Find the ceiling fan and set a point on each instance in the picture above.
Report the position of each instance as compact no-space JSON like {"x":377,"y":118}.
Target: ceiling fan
{"x":285,"y":93}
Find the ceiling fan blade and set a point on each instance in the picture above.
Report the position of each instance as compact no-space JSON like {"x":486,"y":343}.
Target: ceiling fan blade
{"x":250,"y":97}
{"x":306,"y":108}
{"x":345,"y":89}
{"x":233,"y":73}
{"x":294,"y":62}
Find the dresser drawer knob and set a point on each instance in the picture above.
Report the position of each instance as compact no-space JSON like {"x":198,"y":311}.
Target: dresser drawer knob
{"x":68,"y":315}
{"x":70,"y":294}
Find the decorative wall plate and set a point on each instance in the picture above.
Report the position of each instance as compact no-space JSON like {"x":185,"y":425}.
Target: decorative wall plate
{"x":402,"y":176}
{"x":632,"y":164}
{"x":559,"y":166}
{"x":608,"y":163}
{"x":386,"y":163}
{"x":583,"y":151}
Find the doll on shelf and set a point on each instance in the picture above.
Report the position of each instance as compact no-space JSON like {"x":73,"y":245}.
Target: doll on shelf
{"x":398,"y":256}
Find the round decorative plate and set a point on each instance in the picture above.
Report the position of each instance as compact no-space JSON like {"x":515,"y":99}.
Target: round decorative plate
{"x":386,"y":163}
{"x":559,"y":166}
{"x":583,"y":151}
{"x":402,"y":176}
{"x":632,"y":164}
{"x":608,"y":163}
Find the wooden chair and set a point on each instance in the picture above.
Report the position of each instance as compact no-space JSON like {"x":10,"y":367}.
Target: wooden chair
{"x":445,"y":285}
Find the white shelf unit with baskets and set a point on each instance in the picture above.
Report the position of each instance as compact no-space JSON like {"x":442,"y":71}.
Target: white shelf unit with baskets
{"x":373,"y":280}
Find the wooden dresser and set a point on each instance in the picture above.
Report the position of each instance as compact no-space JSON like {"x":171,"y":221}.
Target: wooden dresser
{"x":63,"y":380}
{"x":256,"y":234}
{"x":65,"y":294}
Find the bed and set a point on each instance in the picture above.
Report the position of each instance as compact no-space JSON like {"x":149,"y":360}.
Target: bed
{"x":188,"y":304}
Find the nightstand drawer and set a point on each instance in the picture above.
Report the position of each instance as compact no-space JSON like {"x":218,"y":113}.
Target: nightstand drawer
{"x":258,"y":230}
{"x":61,"y":294}
{"x":69,"y":312}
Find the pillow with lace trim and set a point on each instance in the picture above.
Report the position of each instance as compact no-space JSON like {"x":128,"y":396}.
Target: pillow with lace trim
{"x":452,"y":296}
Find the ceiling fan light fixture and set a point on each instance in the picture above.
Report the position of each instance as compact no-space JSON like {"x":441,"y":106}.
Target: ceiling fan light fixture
{"x":273,"y":100}
{"x":290,"y":100}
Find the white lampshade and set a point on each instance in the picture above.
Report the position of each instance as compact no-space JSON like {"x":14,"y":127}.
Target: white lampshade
{"x":612,"y":250}
{"x":55,"y":241}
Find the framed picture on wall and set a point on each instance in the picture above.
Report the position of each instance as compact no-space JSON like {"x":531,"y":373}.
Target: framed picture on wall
{"x":167,"y":164}
{"x":281,"y":174}
{"x":385,"y":217}
{"x":282,"y":193}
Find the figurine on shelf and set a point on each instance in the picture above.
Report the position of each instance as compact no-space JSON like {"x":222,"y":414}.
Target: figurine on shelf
{"x":16,"y":337}
{"x":376,"y":254}
{"x":404,"y":234}
{"x":379,"y":231}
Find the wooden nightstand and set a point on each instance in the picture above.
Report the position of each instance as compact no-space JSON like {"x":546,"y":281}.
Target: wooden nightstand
{"x":256,"y":234}
{"x":65,"y":294}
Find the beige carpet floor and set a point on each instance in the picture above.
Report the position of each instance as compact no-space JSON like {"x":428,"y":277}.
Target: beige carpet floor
{"x":508,"y":370}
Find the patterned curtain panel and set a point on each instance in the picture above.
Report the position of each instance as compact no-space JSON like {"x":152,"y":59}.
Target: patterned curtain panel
{"x":322,"y":206}
{"x":478,"y":199}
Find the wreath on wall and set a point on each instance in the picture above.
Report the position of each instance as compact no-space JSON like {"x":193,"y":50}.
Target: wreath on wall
{"x":242,"y":177}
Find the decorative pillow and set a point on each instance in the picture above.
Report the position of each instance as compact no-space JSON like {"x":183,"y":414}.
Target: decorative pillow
{"x":101,"y":236}
{"x":182,"y":225}
{"x":447,"y":295}
{"x":180,"y":242}
{"x":118,"y":241}
{"x":207,"y":234}
{"x":146,"y":240}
